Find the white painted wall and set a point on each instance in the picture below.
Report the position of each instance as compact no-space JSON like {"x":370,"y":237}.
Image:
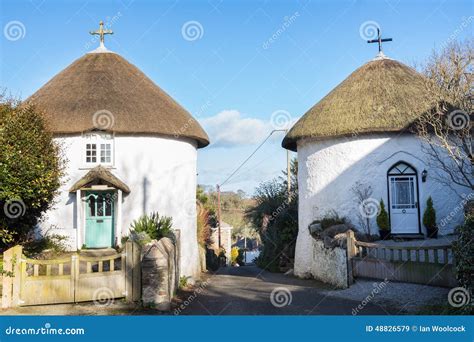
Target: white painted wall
{"x":329,"y":265}
{"x":327,"y":170}
{"x":161,"y":173}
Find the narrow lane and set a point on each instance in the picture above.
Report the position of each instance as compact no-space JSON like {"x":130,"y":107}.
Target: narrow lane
{"x":248,"y":291}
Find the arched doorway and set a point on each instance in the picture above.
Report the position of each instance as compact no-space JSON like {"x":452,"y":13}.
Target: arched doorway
{"x":403,"y":198}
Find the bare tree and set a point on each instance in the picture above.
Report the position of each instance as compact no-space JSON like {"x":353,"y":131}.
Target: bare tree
{"x":367,"y":206}
{"x":446,"y":130}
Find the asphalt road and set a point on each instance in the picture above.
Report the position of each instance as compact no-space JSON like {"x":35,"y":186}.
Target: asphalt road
{"x":248,"y":291}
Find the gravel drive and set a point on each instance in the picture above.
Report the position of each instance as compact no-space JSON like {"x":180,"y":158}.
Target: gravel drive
{"x":407,"y":297}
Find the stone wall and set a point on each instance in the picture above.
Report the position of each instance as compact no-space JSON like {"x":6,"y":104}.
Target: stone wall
{"x":160,"y":273}
{"x":329,"y":265}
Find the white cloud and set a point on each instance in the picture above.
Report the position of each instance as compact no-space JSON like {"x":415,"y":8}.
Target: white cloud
{"x":230,"y":128}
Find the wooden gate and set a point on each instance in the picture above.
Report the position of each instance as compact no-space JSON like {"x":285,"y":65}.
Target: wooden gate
{"x":77,"y":278}
{"x":428,"y":265}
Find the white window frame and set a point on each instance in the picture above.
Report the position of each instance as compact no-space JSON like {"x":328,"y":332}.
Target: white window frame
{"x":97,"y":138}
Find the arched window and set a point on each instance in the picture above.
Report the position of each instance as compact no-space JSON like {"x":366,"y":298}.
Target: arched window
{"x":402,"y":168}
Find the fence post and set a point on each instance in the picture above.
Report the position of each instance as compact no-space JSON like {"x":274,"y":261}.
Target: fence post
{"x":128,"y":271}
{"x":137,"y":273}
{"x":11,"y":277}
{"x":177,"y":235}
{"x":350,"y":246}
{"x":7,"y":283}
{"x":132,"y":272}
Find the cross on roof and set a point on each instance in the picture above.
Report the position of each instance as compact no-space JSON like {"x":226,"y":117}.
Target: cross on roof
{"x":379,"y":40}
{"x":101,"y":32}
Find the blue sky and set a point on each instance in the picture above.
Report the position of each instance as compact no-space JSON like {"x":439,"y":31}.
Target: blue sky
{"x":252,"y":66}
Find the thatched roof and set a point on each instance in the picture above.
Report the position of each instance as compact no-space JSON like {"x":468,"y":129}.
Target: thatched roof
{"x":381,"y":96}
{"x":107,"y":83}
{"x":99,"y":175}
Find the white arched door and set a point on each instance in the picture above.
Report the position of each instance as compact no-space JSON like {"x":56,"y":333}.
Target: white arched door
{"x":403,"y":199}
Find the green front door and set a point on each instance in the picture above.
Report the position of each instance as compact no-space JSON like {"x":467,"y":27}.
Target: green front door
{"x":99,"y":219}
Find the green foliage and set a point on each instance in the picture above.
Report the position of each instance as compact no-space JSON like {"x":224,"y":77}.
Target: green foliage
{"x":382,"y":217}
{"x":31,"y":167}
{"x":233,"y":206}
{"x":331,"y":218}
{"x":240,"y":257}
{"x":276,"y":216}
{"x":429,"y":216}
{"x":52,"y":244}
{"x":463,"y":250}
{"x":206,"y":217}
{"x":142,"y":238}
{"x":183,"y":282}
{"x":212,"y":260}
{"x":154,"y":225}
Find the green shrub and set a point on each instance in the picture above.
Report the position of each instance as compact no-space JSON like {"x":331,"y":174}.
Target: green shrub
{"x":183,"y":282}
{"x":429,"y":216}
{"x":382,"y":217}
{"x":240,"y":257}
{"x":142,"y":238}
{"x":464,"y":257}
{"x":31,"y":167}
{"x":212,"y":260}
{"x":275,"y":212}
{"x":154,"y":226}
{"x":53,"y":244}
{"x":331,"y":219}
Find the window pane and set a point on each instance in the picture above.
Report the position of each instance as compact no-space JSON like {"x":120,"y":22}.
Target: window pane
{"x":91,"y":206}
{"x":108,"y":205}
{"x":100,"y":205}
{"x":105,"y":154}
{"x":403,"y":192}
{"x":90,"y":153}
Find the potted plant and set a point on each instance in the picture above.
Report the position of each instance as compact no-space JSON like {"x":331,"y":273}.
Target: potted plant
{"x":383,"y":222}
{"x":429,"y":219}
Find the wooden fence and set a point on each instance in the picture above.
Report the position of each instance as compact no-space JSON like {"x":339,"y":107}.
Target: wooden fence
{"x":428,"y":265}
{"x":72,"y":279}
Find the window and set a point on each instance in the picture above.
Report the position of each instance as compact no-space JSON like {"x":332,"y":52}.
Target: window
{"x":403,"y":192}
{"x":91,"y":153}
{"x":98,"y":149}
{"x":105,"y":153}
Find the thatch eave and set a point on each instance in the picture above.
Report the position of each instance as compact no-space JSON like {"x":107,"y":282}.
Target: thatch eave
{"x":381,"y":96}
{"x":99,"y":175}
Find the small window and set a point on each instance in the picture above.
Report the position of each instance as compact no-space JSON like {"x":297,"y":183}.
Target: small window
{"x":98,"y":148}
{"x":105,"y":153}
{"x":91,"y":153}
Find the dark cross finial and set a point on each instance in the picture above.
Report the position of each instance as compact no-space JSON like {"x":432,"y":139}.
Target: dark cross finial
{"x":379,"y":40}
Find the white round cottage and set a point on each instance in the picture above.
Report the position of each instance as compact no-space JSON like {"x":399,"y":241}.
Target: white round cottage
{"x":358,"y":137}
{"x":131,"y":150}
